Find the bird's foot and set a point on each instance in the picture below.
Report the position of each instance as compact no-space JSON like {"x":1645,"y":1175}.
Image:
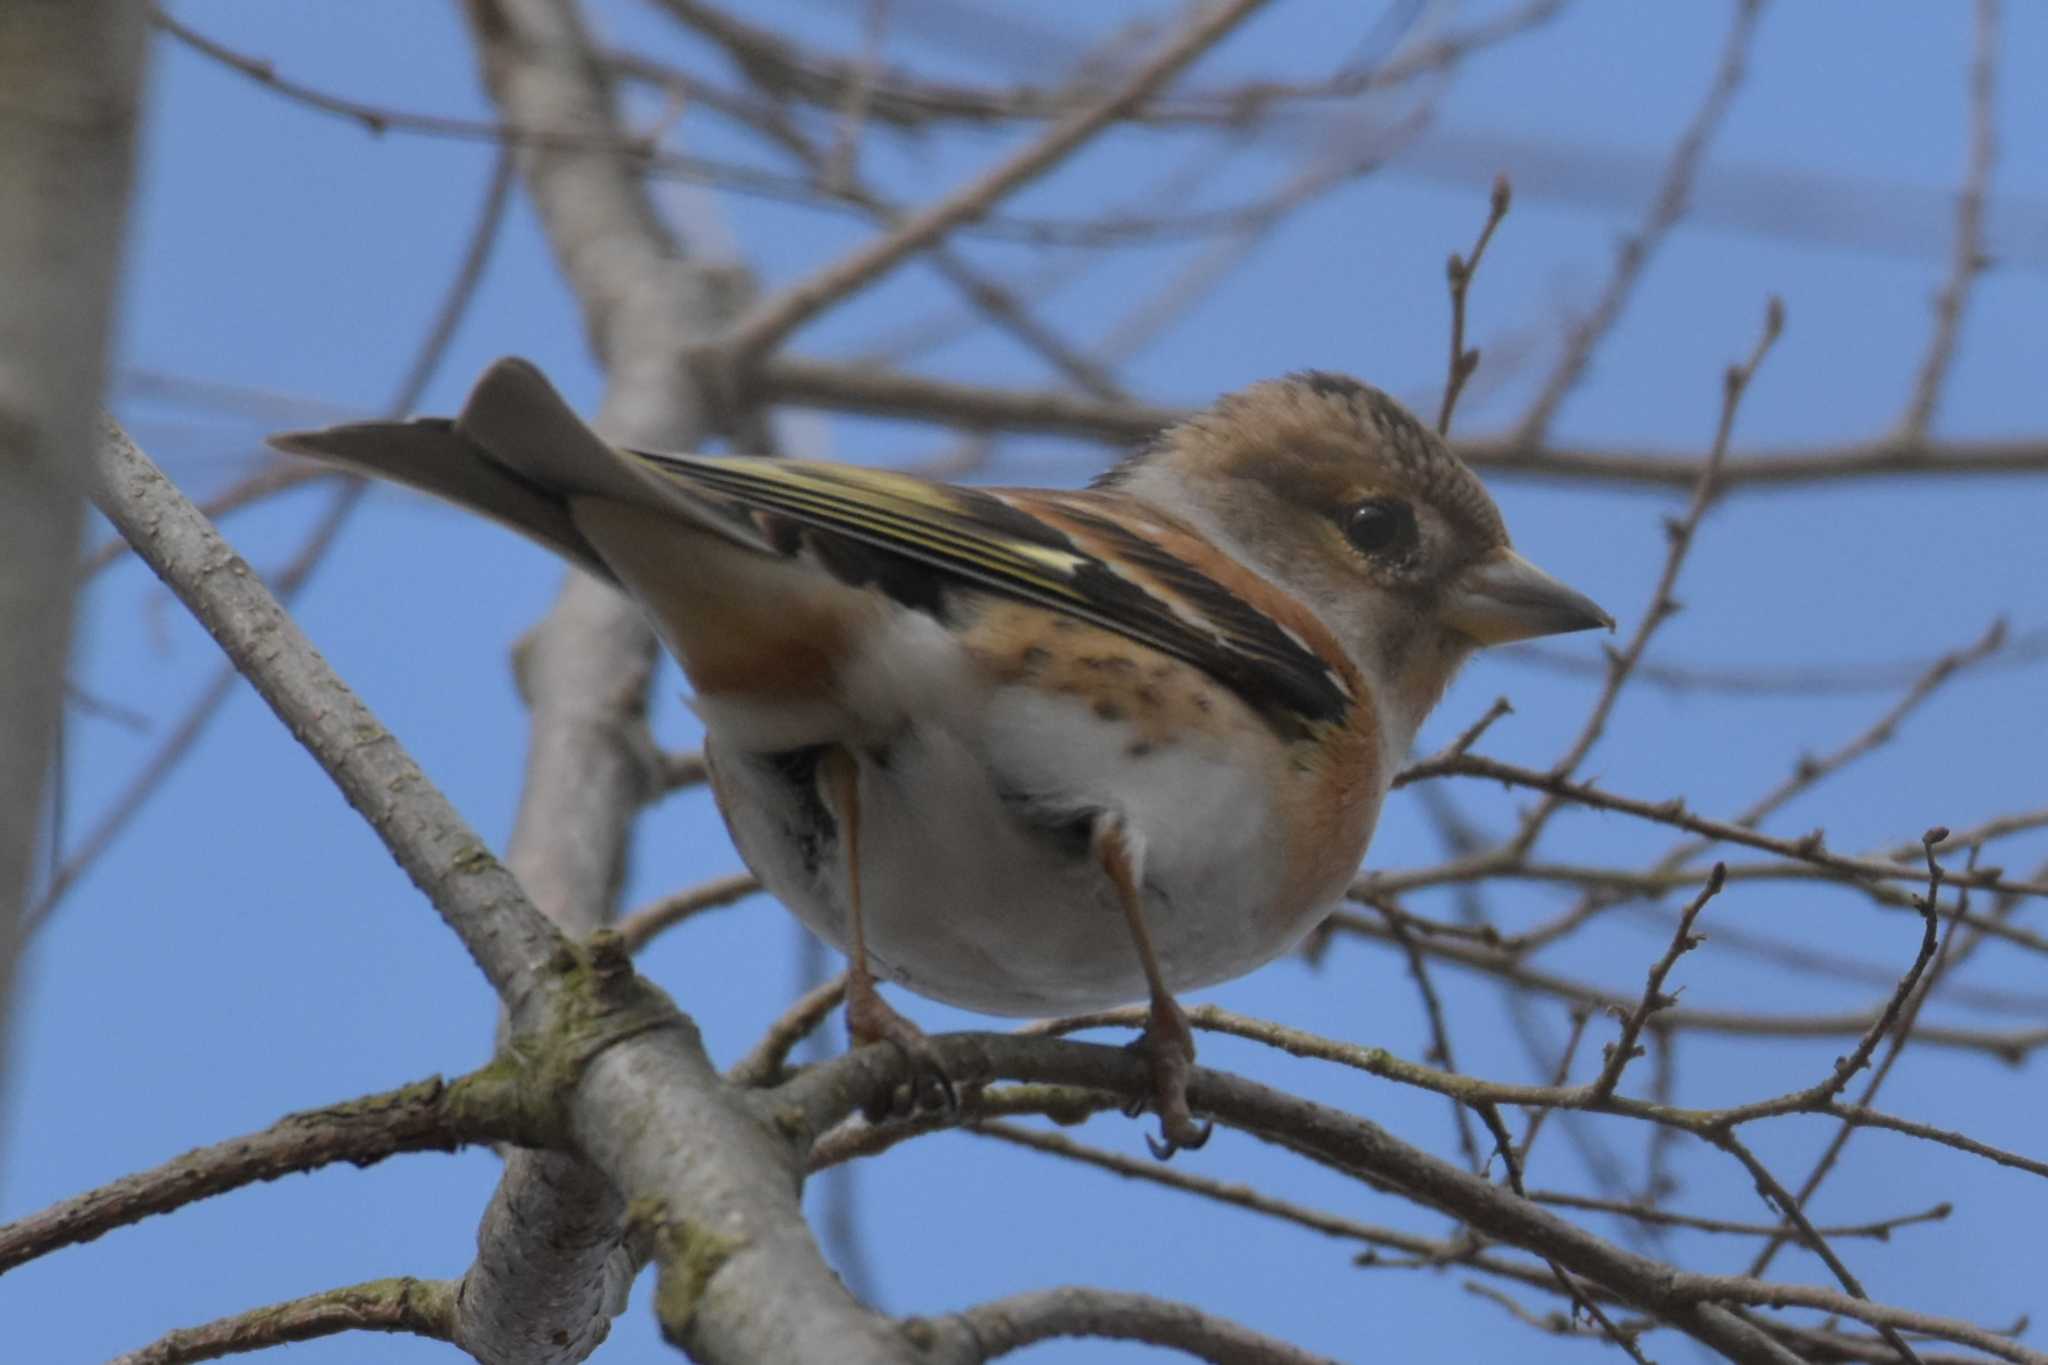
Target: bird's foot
{"x":871,"y":1019}
{"x":1168,"y":1046}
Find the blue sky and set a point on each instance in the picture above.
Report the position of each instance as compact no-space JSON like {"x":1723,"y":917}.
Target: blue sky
{"x":247,"y":948}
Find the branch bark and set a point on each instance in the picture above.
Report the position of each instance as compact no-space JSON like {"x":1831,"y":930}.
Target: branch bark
{"x":550,"y":1271}
{"x":422,"y":1308}
{"x":1701,"y":1306}
{"x":511,"y":941}
{"x":430,"y":1116}
{"x":989,"y":1330}
{"x":827,"y":385}
{"x":712,"y":1186}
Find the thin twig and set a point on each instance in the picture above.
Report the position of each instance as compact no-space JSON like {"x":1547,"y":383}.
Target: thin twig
{"x":1683,"y":940}
{"x":1439,"y":1034}
{"x":1810,"y":849}
{"x":430,"y":1115}
{"x":1679,"y":533}
{"x":988,"y":1330}
{"x":1831,"y":1154}
{"x":1423,"y":1250}
{"x":1460,"y":270}
{"x":763,"y":1064}
{"x":1767,"y":1185}
{"x":421,"y":1308}
{"x":1879,"y":1230}
{"x":1808,"y":772}
{"x":1582,"y":1302}
{"x":1968,"y":259}
{"x":1559,"y":1076}
{"x":768,"y":322}
{"x":1469,"y":736}
{"x":639,"y":927}
{"x":780,"y":67}
{"x":1846,"y":1068}
{"x":1665,"y":210}
{"x":841,"y":162}
{"x":1803,"y":681}
{"x":806,"y":382}
{"x":2012,"y":1047}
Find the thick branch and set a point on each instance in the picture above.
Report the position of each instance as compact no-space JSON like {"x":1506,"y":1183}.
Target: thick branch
{"x":650,"y":1112}
{"x":1694,"y":1304}
{"x":646,"y":299}
{"x":550,"y":1274}
{"x":473,"y":892}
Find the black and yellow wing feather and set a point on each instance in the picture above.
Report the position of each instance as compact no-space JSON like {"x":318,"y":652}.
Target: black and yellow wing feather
{"x":1060,"y":551}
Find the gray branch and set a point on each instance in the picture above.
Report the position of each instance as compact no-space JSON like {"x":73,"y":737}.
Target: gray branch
{"x":712,"y":1188}
{"x":550,"y":1273}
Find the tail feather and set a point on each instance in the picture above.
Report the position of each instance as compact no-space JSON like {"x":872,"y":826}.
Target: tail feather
{"x":744,"y":617}
{"x":518,"y":454}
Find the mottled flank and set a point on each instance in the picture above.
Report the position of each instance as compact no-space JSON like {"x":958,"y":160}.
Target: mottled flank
{"x":1161,"y":700}
{"x":1254,"y":656}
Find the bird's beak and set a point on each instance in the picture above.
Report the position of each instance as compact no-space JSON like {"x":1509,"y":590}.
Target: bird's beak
{"x":1504,"y":598}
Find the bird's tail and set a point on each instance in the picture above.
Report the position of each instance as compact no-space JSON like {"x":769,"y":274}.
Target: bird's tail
{"x":517,"y":453}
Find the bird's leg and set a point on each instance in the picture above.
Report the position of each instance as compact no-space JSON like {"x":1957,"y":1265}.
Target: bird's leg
{"x":1167,"y":1043}
{"x":870,"y":1018}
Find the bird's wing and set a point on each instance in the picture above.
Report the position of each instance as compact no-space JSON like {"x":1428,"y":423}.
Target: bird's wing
{"x":1099,"y":557}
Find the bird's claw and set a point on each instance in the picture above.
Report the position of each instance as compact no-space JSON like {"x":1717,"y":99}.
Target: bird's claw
{"x":870,"y":1019}
{"x":1168,"y":1046}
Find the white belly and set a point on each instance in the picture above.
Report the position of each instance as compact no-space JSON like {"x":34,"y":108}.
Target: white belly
{"x":969,"y":902}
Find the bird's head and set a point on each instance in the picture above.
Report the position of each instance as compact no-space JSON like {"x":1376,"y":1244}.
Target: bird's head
{"x":1334,"y":492}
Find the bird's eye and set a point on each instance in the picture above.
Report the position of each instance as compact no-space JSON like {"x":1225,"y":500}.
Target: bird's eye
{"x":1380,"y":526}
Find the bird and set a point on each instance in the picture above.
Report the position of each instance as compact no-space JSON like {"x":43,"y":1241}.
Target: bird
{"x":1034,"y":751}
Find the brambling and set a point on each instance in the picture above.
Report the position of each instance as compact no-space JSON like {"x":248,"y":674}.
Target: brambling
{"x":1024,"y":750}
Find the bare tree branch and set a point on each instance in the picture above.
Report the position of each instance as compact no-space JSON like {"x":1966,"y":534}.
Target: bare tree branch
{"x":1664,"y":212}
{"x":639,"y":927}
{"x":1968,"y":259}
{"x":1472,"y":1090}
{"x":625,"y":1148}
{"x":884,"y":393}
{"x":1698,"y":1305}
{"x":480,"y":901}
{"x":421,"y":1308}
{"x":1679,"y":533}
{"x":428,"y":1116}
{"x":1624,"y":1049}
{"x":638,"y":1086}
{"x":990,"y":1330}
{"x":779,"y":68}
{"x":764,"y":326}
{"x":292,"y":578}
{"x":550,"y":1273}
